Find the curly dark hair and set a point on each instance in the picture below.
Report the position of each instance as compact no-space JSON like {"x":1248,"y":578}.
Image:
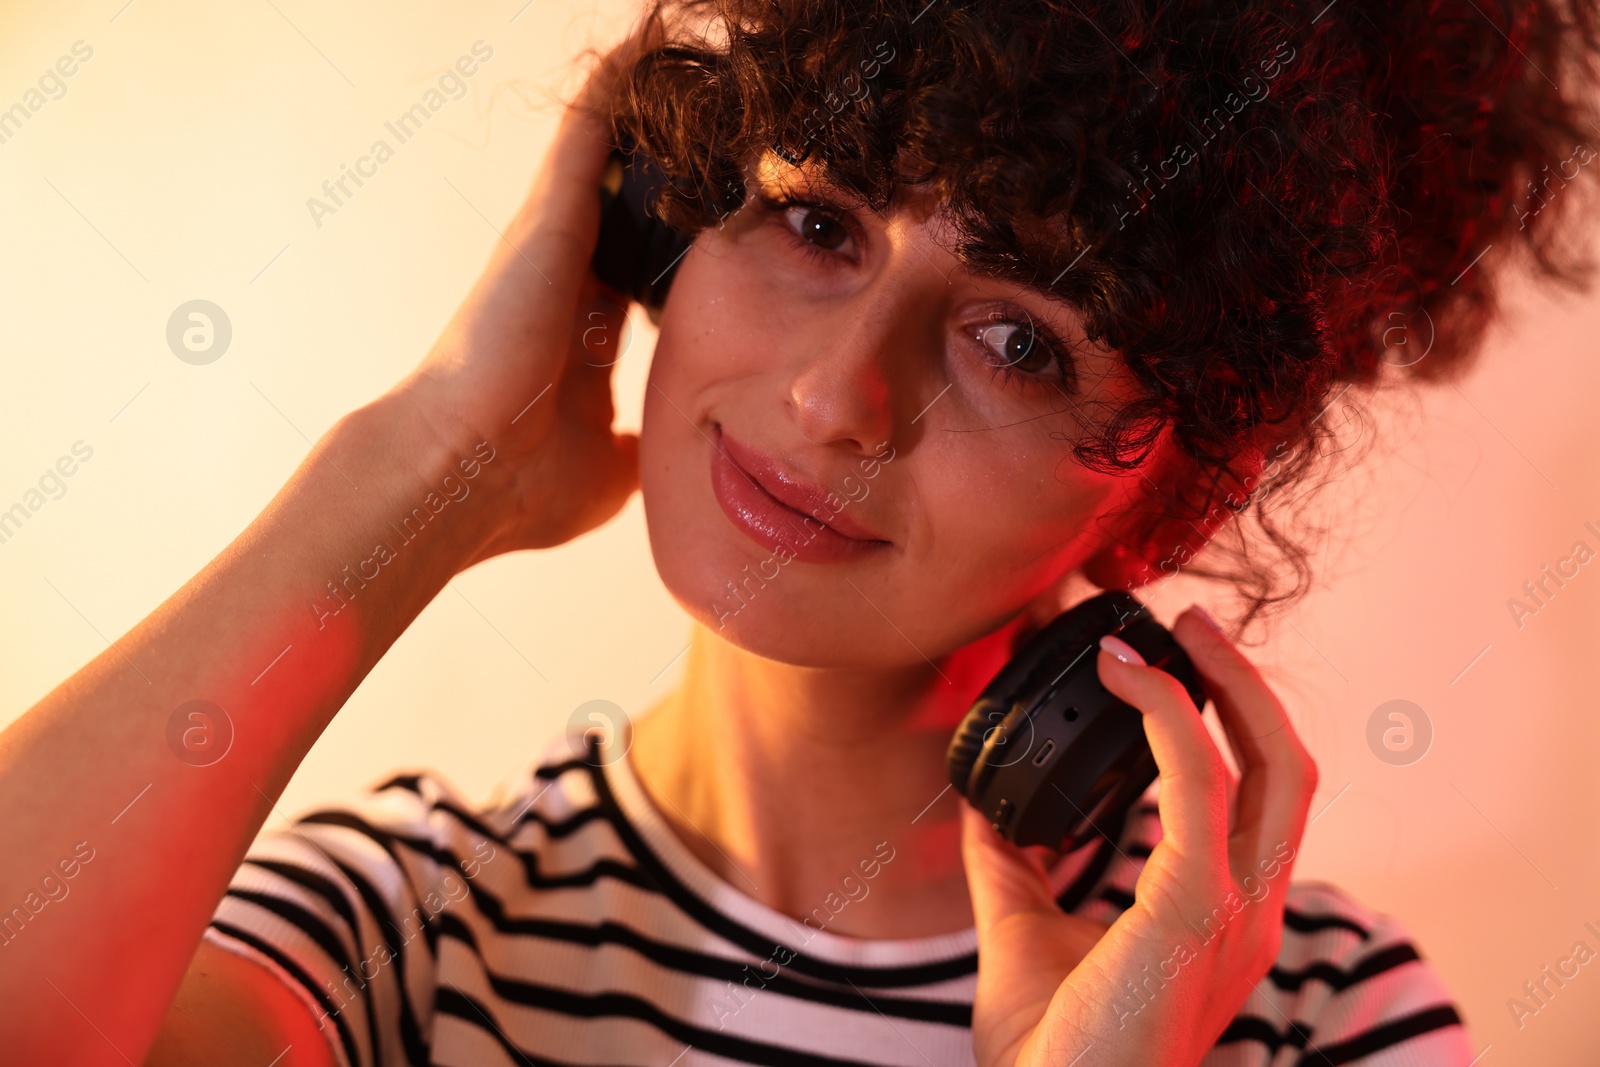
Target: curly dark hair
{"x":1240,"y":198}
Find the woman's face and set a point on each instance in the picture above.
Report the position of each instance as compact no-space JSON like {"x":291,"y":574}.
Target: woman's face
{"x":856,"y":453}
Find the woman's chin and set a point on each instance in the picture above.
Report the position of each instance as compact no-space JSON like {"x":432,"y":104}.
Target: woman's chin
{"x":807,"y":617}
{"x":786,"y":625}
{"x":806,"y":614}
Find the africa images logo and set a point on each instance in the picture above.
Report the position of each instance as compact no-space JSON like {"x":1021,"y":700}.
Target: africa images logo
{"x":451,"y":85}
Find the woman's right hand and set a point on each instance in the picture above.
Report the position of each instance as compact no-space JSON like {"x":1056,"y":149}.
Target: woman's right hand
{"x":276,"y":632}
{"x":525,"y":363}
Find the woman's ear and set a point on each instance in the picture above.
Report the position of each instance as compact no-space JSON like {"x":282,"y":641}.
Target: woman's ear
{"x":1181,"y":508}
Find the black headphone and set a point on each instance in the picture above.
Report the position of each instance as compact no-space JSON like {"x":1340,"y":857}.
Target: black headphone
{"x":1046,"y":753}
{"x":636,"y":253}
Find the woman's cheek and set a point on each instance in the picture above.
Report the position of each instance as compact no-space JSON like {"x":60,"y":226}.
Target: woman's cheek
{"x":1020,"y":533}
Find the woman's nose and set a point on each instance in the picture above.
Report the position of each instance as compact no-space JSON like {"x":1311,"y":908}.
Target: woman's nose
{"x":872,"y":354}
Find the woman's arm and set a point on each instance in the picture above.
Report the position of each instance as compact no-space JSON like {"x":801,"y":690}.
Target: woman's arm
{"x":89,"y":976}
{"x":500,"y":440}
{"x":231,"y":1009}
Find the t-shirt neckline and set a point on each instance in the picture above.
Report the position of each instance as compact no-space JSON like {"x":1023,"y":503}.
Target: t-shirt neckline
{"x":658,"y":835}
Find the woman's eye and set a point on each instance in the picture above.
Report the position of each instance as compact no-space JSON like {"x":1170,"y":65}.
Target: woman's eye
{"x":1016,"y":345}
{"x":818,"y":226}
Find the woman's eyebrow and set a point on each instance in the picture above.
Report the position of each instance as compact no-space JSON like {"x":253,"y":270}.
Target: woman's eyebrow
{"x":811,"y":179}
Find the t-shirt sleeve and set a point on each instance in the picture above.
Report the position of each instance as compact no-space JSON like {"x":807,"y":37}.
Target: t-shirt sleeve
{"x":343,"y":906}
{"x":1349,"y":987}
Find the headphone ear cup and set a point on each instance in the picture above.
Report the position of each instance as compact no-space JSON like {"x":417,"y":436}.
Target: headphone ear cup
{"x":1068,"y":634}
{"x":1079,"y":627}
{"x":968,"y":742}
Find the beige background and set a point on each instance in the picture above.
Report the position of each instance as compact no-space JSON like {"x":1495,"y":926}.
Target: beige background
{"x":177,"y":166}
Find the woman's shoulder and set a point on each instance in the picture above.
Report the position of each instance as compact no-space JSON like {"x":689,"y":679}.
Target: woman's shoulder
{"x":1333,"y":938}
{"x":1349,"y":983}
{"x":544,"y":798}
{"x":412,"y":843}
{"x":1313,"y":907}
{"x":1354,"y":985}
{"x":348,"y":903}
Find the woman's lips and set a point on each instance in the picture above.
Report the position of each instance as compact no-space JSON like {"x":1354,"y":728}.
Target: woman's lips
{"x":766,"y":519}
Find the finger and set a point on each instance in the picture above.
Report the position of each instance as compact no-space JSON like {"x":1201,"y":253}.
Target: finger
{"x":601,"y":336}
{"x":564,"y":192}
{"x":1194,"y":798}
{"x":1277,"y":774}
{"x":565,"y":197}
{"x":539,"y":269}
{"x":548,"y":244}
{"x":546,"y":248}
{"x":604,"y":332}
{"x":1026,"y":944}
{"x":621,"y":476}
{"x":1001,"y":878}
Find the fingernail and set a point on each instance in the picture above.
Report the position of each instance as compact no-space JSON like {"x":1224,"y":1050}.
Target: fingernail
{"x":1205,"y":616}
{"x":1122,"y":650}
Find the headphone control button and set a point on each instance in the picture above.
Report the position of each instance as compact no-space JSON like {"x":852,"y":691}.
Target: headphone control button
{"x":1003,"y":814}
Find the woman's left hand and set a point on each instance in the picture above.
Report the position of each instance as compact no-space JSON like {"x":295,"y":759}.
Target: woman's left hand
{"x":1161,"y":983}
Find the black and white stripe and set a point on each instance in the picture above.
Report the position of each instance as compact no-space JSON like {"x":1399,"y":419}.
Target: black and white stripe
{"x":591,"y":936}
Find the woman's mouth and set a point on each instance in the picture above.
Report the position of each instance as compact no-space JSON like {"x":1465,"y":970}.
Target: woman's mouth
{"x":748,"y":486}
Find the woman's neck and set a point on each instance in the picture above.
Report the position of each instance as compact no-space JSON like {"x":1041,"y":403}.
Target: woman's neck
{"x":786,"y":781}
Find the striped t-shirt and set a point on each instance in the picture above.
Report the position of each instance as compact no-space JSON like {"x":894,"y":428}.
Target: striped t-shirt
{"x":564,"y":923}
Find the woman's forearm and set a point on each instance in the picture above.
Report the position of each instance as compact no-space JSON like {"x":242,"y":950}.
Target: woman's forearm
{"x":125,"y":806}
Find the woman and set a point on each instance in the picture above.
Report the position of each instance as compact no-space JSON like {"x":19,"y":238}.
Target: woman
{"x":990,"y":302}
